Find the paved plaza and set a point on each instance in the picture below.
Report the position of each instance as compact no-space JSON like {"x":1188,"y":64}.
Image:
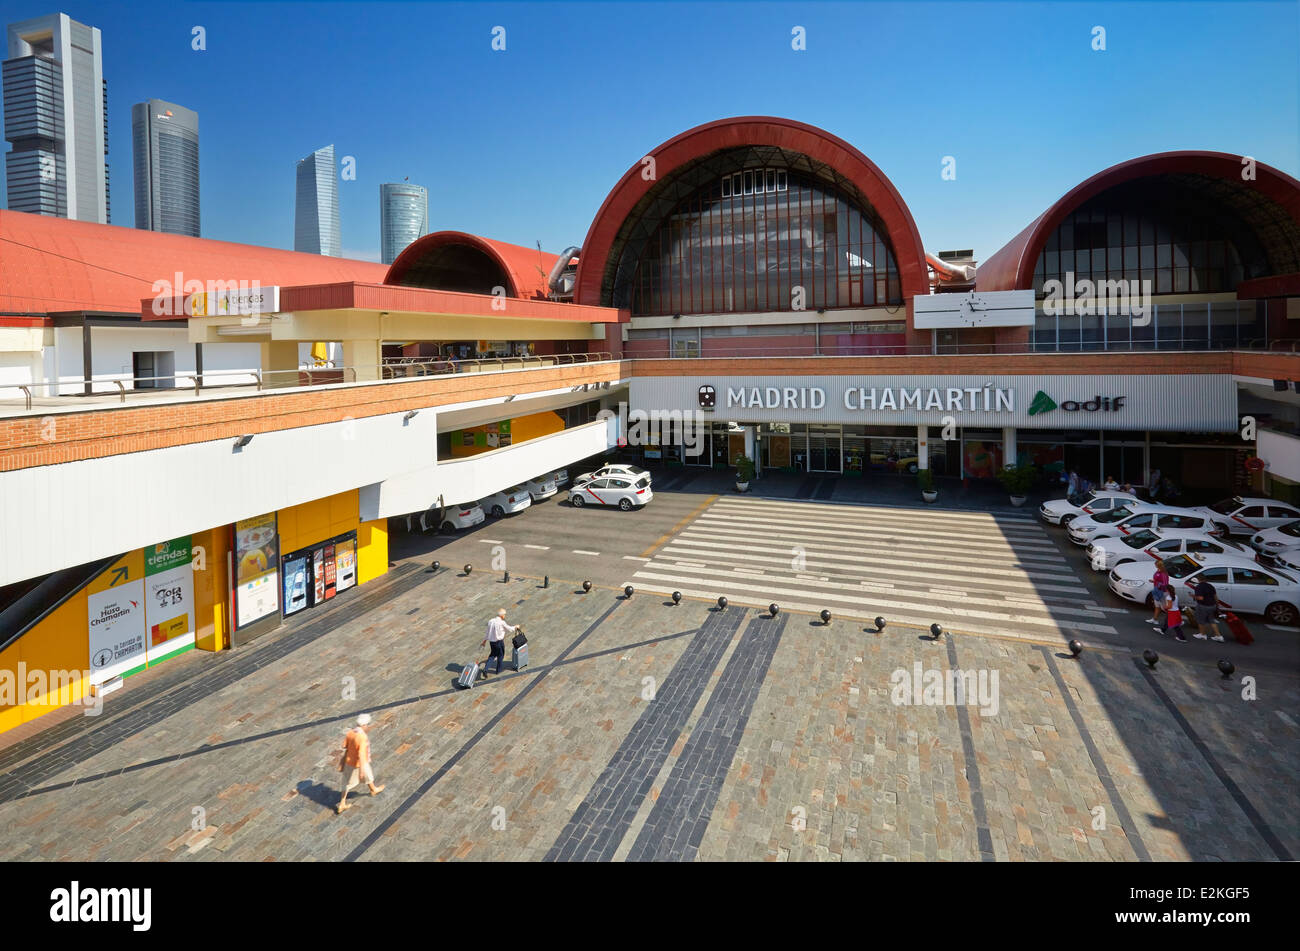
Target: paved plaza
{"x":647,"y":731}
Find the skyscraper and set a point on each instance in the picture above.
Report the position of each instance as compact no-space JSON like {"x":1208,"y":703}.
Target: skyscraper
{"x":165,"y":140}
{"x":403,"y":217}
{"x":316,"y":211}
{"x":55,"y":112}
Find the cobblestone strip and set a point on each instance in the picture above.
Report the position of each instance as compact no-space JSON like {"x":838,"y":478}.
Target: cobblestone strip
{"x":1130,"y":828}
{"x":681,"y":814}
{"x":983,"y":835}
{"x":597,"y":826}
{"x":487,"y":728}
{"x":1256,"y":820}
{"x":173,"y":697}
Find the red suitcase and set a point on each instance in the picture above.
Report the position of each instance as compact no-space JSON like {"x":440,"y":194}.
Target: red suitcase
{"x":1238,"y":628}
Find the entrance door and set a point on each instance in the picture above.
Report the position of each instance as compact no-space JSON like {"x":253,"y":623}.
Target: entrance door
{"x":824,"y":449}
{"x":778,"y":451}
{"x":735,"y":447}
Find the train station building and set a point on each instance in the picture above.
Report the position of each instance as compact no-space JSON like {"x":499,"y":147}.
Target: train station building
{"x":240,"y":424}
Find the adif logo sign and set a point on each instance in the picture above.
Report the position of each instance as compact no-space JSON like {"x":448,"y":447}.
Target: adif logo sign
{"x":1043,"y":403}
{"x":76,"y":904}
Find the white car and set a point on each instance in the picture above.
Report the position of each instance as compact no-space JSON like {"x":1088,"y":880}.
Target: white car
{"x":454,"y":517}
{"x":1273,"y":540}
{"x":627,"y":494}
{"x":621,"y":471}
{"x":1063,"y":511}
{"x":1239,"y":516}
{"x":543,"y":487}
{"x":1126,"y":520}
{"x":506,"y":502}
{"x":1242,"y":585}
{"x":559,"y":476}
{"x":1147,"y":544}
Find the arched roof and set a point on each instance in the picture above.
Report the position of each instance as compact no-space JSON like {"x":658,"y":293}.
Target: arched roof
{"x":521,"y":271}
{"x":631,"y":196}
{"x":50,"y":265}
{"x":1270,"y":205}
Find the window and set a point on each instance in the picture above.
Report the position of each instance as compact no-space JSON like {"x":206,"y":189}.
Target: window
{"x":1252,"y":576}
{"x":1180,"y":521}
{"x":1281,"y":511}
{"x":1213,"y":575}
{"x":1139,"y":520}
{"x":598,"y":484}
{"x":1252,"y":511}
{"x":1203,"y":546}
{"x":1170,"y":544}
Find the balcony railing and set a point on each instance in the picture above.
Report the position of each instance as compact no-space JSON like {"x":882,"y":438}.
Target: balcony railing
{"x":1189,"y":345}
{"x":118,"y":390}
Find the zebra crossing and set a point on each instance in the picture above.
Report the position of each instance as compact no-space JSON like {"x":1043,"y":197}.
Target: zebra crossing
{"x":970,"y":571}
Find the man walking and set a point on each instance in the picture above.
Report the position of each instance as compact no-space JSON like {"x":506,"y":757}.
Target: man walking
{"x":497,"y":630}
{"x":355,"y":764}
{"x":1207,"y":610}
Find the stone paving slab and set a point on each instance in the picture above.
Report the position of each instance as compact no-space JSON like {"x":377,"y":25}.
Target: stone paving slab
{"x":799,"y":751}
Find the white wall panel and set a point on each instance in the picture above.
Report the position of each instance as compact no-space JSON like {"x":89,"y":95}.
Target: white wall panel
{"x":463,"y":480}
{"x":1281,"y":452}
{"x":52,"y":517}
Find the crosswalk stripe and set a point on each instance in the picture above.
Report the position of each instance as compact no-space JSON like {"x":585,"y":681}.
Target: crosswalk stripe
{"x":825,"y":584}
{"x":990,"y":544}
{"x":862,"y":516}
{"x":860,"y":511}
{"x":851,"y":611}
{"x":889,"y":567}
{"x":841,"y":542}
{"x":745,"y":541}
{"x":579,"y":551}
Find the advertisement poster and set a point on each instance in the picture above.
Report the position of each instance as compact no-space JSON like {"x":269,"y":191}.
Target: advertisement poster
{"x":331,"y":572}
{"x":169,"y":598}
{"x":297,"y":593}
{"x":257,"y":575}
{"x":117,"y":630}
{"x":318,"y":574}
{"x":345,"y":560}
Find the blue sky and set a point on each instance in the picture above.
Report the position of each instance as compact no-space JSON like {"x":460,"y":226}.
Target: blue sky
{"x":523,"y":145}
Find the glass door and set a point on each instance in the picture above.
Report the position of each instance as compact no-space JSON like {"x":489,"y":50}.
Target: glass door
{"x":824,"y":452}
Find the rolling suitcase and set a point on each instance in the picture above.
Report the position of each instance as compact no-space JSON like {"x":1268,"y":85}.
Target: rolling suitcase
{"x":1238,"y":628}
{"x":468,"y":675}
{"x":519,"y":656}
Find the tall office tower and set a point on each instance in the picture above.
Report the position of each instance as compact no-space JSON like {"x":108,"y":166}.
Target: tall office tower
{"x":403,"y":217}
{"x":55,"y":114}
{"x":316,"y":211}
{"x":165,"y":140}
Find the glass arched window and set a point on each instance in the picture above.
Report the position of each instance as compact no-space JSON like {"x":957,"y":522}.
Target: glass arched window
{"x":765,"y":239}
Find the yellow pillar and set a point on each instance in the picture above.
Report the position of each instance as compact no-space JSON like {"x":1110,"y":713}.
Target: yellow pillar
{"x":363,"y":357}
{"x":280,"y":363}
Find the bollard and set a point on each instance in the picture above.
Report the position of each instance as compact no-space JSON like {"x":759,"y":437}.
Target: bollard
{"x":936,"y":631}
{"x":772,"y":609}
{"x":880,"y":624}
{"x":586,"y":586}
{"x":436,"y":565}
{"x":1151,"y":657}
{"x":506,"y":577}
{"x":722,"y":604}
{"x":468,"y":569}
{"x":677,"y":598}
{"x":1076,"y":647}
{"x":1226,"y":667}
{"x":627,"y":592}
{"x":546,"y":581}
{"x":826,"y":616}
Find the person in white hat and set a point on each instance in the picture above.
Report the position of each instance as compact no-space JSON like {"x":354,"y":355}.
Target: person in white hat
{"x":355,"y":763}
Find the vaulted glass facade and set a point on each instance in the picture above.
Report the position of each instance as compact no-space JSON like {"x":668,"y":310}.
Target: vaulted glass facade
{"x":765,"y":239}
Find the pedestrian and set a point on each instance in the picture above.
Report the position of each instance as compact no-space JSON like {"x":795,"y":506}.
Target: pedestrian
{"x":355,"y":762}
{"x":1159,"y":582}
{"x":1072,"y":486}
{"x":1173,"y":616}
{"x":1128,"y":488}
{"x":1153,"y":486}
{"x":1084,"y":486}
{"x":497,"y":630}
{"x":1207,"y":610}
{"x":1111,"y":485}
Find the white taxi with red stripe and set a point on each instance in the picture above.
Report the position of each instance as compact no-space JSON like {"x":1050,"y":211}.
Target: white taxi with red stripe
{"x":1148,"y":544}
{"x":1243,"y":516}
{"x":1127,"y":520}
{"x":1063,"y":511}
{"x":623,"y":491}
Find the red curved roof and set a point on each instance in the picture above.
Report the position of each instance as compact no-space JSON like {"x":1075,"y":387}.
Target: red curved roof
{"x":48,"y":264}
{"x":526,"y":269}
{"x":1012,"y":266}
{"x":738,"y":132}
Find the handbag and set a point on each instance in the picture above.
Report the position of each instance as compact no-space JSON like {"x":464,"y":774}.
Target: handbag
{"x":519,"y":640}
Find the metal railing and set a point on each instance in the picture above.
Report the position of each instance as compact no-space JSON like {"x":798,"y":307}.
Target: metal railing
{"x":1189,"y":345}
{"x":410,"y":367}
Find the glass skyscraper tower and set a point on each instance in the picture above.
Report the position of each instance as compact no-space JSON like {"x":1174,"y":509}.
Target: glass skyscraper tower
{"x":165,"y":139}
{"x":316,"y":210}
{"x":403,"y":217}
{"x":55,"y":108}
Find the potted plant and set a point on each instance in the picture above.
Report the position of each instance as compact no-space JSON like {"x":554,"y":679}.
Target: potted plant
{"x":1018,"y":480}
{"x":925,"y":479}
{"x":744,"y":473}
